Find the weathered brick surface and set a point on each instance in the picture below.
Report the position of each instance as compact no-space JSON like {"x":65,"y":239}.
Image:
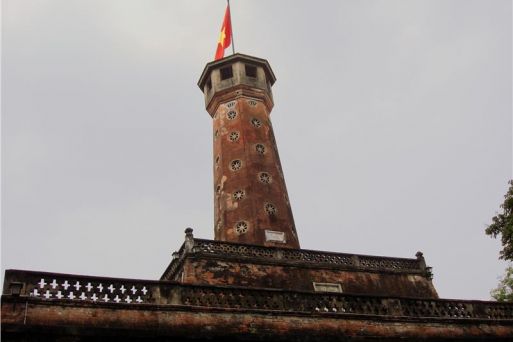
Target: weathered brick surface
{"x":39,"y":305}
{"x":219,"y":263}
{"x":252,"y":207}
{"x":82,"y":322}
{"x":301,"y":278}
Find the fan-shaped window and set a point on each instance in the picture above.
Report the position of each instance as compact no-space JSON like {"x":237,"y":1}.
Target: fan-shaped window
{"x":239,"y":195}
{"x":270,"y":209}
{"x":234,"y":136}
{"x":260,"y":148}
{"x":264,"y":177}
{"x":241,"y":227}
{"x":231,"y":115}
{"x":235,"y":165}
{"x":255,"y":122}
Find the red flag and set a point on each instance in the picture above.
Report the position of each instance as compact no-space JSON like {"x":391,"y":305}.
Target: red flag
{"x":225,"y":37}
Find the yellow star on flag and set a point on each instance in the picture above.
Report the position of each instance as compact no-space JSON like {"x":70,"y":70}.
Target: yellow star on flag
{"x":225,"y":37}
{"x":222,"y":36}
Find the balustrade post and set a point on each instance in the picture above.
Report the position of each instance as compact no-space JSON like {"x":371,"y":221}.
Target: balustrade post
{"x":15,"y":288}
{"x":189,"y":240}
{"x":394,"y":307}
{"x":175,"y":295}
{"x":422,"y":265}
{"x":421,"y":260}
{"x":278,"y":254}
{"x":356,"y":260}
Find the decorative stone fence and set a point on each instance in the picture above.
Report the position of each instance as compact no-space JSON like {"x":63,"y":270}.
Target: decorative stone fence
{"x":67,"y":287}
{"x":99,"y":291}
{"x":295,"y":256}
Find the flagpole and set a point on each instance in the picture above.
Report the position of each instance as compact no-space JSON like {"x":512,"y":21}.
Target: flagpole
{"x":233,"y":41}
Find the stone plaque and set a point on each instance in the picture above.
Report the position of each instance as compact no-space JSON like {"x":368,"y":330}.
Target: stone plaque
{"x":327,"y":287}
{"x":274,"y":236}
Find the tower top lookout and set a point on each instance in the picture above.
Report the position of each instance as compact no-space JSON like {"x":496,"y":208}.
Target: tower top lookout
{"x":237,"y":70}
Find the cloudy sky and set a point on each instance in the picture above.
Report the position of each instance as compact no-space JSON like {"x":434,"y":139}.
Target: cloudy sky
{"x":393,"y":120}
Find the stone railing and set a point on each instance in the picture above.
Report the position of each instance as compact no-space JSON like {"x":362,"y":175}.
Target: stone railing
{"x":297,"y":256}
{"x":63,"y":288}
{"x":171,"y":270}
{"x":343,"y":304}
{"x":307,"y":256}
{"x":68,"y":287}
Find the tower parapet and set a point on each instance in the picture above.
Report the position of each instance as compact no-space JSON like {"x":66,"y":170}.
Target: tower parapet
{"x":250,"y":75}
{"x":251,"y":204}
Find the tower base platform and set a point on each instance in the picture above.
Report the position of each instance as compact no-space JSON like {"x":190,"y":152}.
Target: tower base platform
{"x":277,"y":295}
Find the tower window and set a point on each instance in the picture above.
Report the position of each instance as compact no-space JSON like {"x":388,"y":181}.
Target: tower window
{"x":251,"y":71}
{"x":234,"y":136}
{"x":236,"y":164}
{"x":260,"y":148}
{"x":209,"y":85}
{"x":241,"y":227}
{"x":231,"y":115}
{"x":270,"y":209}
{"x":255,"y":122}
{"x":264,"y":177}
{"x":226,"y":72}
{"x":239,"y":194}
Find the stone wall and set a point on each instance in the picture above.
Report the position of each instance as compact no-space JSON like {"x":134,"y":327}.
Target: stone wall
{"x":221,"y":263}
{"x":38,"y":306}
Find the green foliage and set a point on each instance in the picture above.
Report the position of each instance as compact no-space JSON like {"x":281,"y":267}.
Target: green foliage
{"x":504,"y":292}
{"x":502,"y":224}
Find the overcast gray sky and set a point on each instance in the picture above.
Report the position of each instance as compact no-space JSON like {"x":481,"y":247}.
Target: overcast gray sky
{"x":393,"y":121}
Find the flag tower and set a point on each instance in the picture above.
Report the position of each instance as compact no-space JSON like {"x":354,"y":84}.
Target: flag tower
{"x":253,"y":282}
{"x":250,"y":196}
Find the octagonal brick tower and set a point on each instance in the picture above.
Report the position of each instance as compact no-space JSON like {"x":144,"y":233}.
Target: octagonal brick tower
{"x":251,"y":204}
